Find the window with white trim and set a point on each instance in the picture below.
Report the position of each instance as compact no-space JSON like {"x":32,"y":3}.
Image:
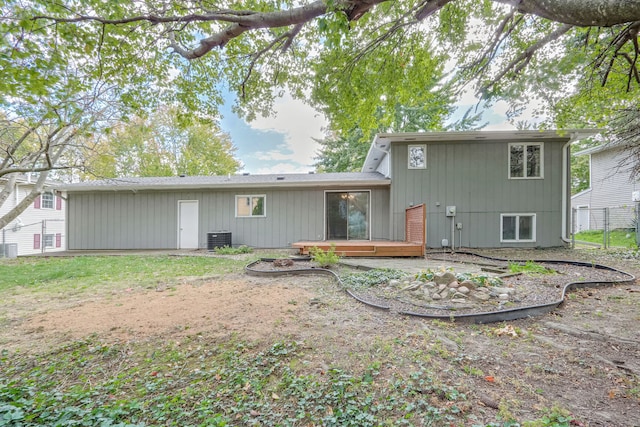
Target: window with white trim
{"x":525,"y":160}
{"x":48,"y":240}
{"x":48,"y":200}
{"x":518,"y":227}
{"x":251,"y":205}
{"x":417,"y":157}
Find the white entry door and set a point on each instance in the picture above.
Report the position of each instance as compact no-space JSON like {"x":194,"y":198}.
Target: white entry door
{"x":582,"y":218}
{"x":187,"y":224}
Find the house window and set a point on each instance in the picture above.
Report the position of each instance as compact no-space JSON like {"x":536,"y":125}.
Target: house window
{"x":525,"y":160}
{"x":48,"y":200}
{"x":417,"y":157}
{"x":517,"y":227}
{"x":48,"y":240}
{"x":250,"y":206}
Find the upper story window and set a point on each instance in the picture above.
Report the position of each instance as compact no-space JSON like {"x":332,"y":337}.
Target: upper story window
{"x":251,"y":206}
{"x":48,"y":200}
{"x":417,"y":157}
{"x":525,"y":160}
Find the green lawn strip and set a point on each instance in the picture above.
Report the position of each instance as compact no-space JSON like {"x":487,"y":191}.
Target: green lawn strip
{"x":62,"y":273}
{"x":618,"y":238}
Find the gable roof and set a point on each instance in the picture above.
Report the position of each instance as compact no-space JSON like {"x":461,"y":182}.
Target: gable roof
{"x":618,"y":145}
{"x":382,"y":142}
{"x":341,"y":179}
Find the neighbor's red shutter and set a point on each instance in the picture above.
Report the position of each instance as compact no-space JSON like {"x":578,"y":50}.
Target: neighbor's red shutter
{"x":58,"y":240}
{"x":58,"y":201}
{"x":36,"y":203}
{"x":36,"y":241}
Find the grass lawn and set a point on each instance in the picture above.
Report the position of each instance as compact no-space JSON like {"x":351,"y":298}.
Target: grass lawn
{"x":116,"y":272}
{"x":617,"y":238}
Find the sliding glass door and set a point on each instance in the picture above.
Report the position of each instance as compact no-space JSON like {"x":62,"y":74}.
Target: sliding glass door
{"x":347,"y":215}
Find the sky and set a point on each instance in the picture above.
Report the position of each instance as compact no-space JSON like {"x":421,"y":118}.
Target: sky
{"x":283,"y":143}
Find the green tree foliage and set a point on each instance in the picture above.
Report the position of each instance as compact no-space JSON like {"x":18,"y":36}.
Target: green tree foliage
{"x":162,"y":144}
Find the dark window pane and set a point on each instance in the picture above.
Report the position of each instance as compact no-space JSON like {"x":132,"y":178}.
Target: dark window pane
{"x":516,"y":161}
{"x":526,"y":228}
{"x":508,"y":228}
{"x":533,"y":160}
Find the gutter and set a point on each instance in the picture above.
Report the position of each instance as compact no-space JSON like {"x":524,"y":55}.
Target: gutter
{"x":566,"y":170}
{"x":133,"y":187}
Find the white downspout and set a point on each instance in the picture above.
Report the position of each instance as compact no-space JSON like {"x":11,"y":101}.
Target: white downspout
{"x":565,"y":166}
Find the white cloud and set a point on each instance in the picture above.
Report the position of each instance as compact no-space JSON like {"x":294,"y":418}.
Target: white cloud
{"x":298,"y":123}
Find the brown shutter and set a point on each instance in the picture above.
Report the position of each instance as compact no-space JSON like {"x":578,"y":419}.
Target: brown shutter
{"x":36,"y":203}
{"x":58,"y":201}
{"x":36,"y":241}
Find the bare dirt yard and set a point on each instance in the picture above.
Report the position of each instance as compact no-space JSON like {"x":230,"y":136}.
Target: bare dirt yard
{"x":584,"y":357}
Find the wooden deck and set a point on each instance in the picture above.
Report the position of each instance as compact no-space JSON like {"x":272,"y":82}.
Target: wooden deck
{"x":369,"y":248}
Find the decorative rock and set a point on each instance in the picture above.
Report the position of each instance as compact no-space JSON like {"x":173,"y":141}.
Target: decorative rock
{"x":394,"y":282}
{"x":452,"y":291}
{"x":458,"y":295}
{"x":503,"y":297}
{"x":436,"y":296}
{"x":463,"y":290}
{"x":444,"y":278}
{"x":480,"y":296}
{"x":283,"y":262}
{"x":411,"y":286}
{"x":454,"y":284}
{"x":469,"y":284}
{"x":498,"y":291}
{"x":442,"y":287}
{"x":430,"y":285}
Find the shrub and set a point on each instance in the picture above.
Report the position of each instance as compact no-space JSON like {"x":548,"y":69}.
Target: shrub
{"x":324,"y":258}
{"x":228,"y":250}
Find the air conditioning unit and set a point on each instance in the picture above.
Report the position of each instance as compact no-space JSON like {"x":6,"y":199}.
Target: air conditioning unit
{"x":218,"y":239}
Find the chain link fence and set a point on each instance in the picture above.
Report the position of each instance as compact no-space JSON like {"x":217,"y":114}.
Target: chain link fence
{"x":605,"y":227}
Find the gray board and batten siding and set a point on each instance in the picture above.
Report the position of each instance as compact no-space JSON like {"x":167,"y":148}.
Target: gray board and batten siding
{"x":143,"y":213}
{"x":473,"y":176}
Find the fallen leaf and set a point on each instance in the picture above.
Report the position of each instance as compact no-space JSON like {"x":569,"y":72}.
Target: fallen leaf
{"x":490,"y":379}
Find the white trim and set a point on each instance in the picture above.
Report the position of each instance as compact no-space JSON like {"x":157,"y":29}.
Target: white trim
{"x":324,"y":210}
{"x":582,"y":193}
{"x":53,"y":200}
{"x":251,"y":196}
{"x":423,"y":147}
{"x":517,"y":239}
{"x":525,"y":144}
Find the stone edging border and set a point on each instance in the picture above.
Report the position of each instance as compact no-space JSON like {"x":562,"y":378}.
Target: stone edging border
{"x":484,"y":317}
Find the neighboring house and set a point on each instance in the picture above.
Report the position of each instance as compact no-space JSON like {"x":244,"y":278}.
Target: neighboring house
{"x":38,"y":229}
{"x":480,"y":189}
{"x":610,"y":186}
